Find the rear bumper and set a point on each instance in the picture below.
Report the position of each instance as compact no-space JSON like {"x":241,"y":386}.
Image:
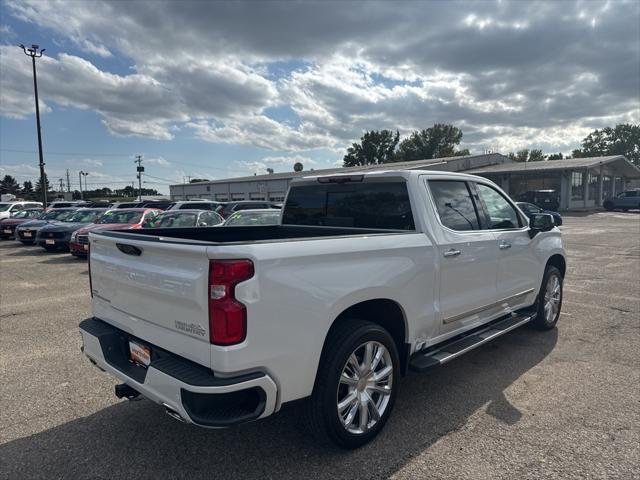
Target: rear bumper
{"x":193,"y":391}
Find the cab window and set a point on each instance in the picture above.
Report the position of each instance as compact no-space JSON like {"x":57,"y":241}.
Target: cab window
{"x":455,"y":205}
{"x":499,"y":211}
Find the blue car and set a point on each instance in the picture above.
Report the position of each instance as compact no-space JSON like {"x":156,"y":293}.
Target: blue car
{"x":530,"y":208}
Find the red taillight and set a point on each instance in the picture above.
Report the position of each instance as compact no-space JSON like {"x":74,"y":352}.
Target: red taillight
{"x":227,"y":316}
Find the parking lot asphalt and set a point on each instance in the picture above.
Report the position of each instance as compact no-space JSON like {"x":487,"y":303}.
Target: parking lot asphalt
{"x":531,"y":405}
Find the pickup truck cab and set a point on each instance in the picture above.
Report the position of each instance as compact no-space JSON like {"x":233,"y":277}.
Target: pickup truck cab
{"x":368,"y":275}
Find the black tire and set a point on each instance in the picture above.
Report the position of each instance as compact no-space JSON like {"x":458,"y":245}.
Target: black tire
{"x":321,"y":410}
{"x":542,"y":321}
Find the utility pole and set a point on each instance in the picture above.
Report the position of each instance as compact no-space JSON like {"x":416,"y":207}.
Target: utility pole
{"x":139,"y":169}
{"x":68,"y":182}
{"x":33,"y":53}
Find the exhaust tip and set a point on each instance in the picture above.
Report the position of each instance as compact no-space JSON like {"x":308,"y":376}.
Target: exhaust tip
{"x":169,"y":410}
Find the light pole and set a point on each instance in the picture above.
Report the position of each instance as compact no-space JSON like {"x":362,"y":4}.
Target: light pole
{"x":80,"y":175}
{"x":33,"y":53}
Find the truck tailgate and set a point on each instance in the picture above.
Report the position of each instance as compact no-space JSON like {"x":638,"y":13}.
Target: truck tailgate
{"x":156,"y":291}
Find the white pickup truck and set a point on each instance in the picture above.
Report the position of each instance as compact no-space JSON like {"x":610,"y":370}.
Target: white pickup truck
{"x":367,"y":276}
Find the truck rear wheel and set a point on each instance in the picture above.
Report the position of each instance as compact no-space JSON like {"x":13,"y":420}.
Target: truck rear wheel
{"x":549,"y":299}
{"x":355,"y":386}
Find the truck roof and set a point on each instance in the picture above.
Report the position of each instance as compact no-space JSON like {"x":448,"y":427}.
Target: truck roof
{"x":387,"y":173}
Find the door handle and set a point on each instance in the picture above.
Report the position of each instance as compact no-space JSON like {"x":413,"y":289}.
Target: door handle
{"x":452,"y":252}
{"x":504,"y":245}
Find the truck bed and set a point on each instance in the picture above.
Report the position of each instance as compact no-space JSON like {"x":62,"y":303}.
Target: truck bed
{"x":217,"y":235}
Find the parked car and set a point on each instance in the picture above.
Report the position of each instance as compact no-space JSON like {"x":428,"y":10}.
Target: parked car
{"x":624,"y":201}
{"x":227,"y":208}
{"x":57,"y":236}
{"x":159,"y":204}
{"x":185,"y":218}
{"x":8,"y":225}
{"x":125,"y":205}
{"x":239,"y":321}
{"x":545,"y":199}
{"x":9,"y":208}
{"x":530,"y":209}
{"x":195,"y":205}
{"x":65,"y":203}
{"x":26,"y":232}
{"x":243,"y":218}
{"x":118,"y":219}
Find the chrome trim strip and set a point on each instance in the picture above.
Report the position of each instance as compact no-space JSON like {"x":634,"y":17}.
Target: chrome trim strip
{"x":486,"y":307}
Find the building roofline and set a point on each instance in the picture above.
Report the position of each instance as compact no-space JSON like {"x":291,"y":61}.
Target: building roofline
{"x":554,"y":165}
{"x":412,"y":165}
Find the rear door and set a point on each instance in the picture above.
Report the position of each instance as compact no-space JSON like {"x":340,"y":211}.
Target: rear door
{"x":517,"y":280}
{"x":155,"y":290}
{"x":468,"y":257}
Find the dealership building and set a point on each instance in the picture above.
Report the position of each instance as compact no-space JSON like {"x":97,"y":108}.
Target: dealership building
{"x":579,"y":182}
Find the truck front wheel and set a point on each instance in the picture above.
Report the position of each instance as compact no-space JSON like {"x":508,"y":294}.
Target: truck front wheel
{"x":355,"y":386}
{"x":549,"y":299}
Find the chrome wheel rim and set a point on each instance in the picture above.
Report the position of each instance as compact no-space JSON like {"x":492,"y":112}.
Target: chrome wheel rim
{"x":552,"y":297}
{"x":365,"y":387}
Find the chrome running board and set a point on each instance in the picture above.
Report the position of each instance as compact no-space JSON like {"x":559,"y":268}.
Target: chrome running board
{"x":447,"y":351}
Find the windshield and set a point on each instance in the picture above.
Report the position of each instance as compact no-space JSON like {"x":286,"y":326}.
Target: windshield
{"x":114,"y":216}
{"x":56,"y":214}
{"x":4,"y":207}
{"x":173,"y":220}
{"x":84,"y":216}
{"x":253,"y":218}
{"x":25,"y":214}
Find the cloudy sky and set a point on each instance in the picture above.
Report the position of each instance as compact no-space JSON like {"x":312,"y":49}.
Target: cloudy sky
{"x":219,"y":89}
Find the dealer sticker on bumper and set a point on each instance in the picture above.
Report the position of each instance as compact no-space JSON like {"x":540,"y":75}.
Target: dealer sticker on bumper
{"x":139,"y":353}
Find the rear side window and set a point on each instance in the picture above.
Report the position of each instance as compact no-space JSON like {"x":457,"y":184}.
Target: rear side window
{"x":382,"y":205}
{"x":454,"y":204}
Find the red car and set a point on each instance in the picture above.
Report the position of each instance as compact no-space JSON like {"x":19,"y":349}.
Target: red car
{"x":117,"y":219}
{"x":8,"y":225}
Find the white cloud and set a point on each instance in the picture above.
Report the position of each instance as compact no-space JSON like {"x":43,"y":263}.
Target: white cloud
{"x":510,"y":74}
{"x":157,"y":161}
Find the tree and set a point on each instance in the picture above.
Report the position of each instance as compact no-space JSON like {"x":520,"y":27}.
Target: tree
{"x":536,"y":155}
{"x":375,"y":147}
{"x":9,"y":185}
{"x":555,"y":156}
{"x":526,"y":155}
{"x":27,"y":188}
{"x":196,"y":180}
{"x":38,"y":187}
{"x":520,"y":155}
{"x":623,"y":139}
{"x":434,"y":142}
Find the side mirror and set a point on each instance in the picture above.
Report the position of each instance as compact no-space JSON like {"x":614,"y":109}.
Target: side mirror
{"x":540,"y":222}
